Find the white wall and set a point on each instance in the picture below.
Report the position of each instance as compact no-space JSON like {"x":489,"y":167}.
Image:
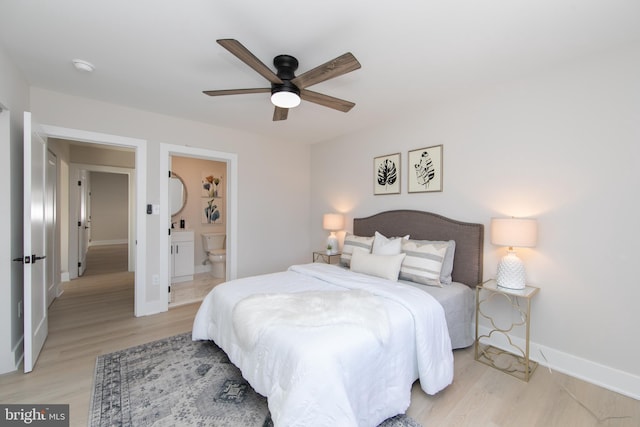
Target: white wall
{"x":273,"y":178}
{"x":109,"y":208}
{"x":14,"y":99}
{"x":562,"y":146}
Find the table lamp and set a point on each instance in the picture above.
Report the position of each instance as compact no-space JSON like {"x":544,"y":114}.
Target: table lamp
{"x":332,"y":222}
{"x":513,"y":232}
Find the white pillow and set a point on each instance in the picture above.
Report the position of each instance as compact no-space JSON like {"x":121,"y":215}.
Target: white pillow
{"x":387,"y":246}
{"x":384,"y":266}
{"x":350,"y":243}
{"x":423,"y":262}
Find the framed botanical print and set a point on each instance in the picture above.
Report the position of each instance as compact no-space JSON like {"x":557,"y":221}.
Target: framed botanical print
{"x":211,"y":185}
{"x":386,"y":174}
{"x":425,"y":170}
{"x":212,"y":211}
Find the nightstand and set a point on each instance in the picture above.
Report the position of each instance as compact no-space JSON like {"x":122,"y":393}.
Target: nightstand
{"x":323,"y":256}
{"x":516,"y":361}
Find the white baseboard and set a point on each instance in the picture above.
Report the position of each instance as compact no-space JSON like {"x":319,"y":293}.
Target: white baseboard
{"x":586,"y":370}
{"x":202,"y":268}
{"x":64,"y":276}
{"x":108,"y":242}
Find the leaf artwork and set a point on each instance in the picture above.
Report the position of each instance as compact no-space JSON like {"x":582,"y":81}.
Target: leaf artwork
{"x":387,"y":173}
{"x":425,"y":172}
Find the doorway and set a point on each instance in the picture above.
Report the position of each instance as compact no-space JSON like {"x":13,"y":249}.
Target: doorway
{"x":141,"y":307}
{"x":101,"y":209}
{"x":230,"y":192}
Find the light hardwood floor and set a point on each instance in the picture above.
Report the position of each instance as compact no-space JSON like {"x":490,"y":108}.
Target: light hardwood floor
{"x":95,"y":316}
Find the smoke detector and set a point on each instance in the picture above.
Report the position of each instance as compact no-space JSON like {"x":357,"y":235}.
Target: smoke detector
{"x":82,"y":65}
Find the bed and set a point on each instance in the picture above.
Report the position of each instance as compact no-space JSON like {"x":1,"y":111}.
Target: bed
{"x":331,"y":345}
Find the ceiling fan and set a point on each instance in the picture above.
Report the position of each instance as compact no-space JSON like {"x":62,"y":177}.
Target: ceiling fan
{"x":287,"y":88}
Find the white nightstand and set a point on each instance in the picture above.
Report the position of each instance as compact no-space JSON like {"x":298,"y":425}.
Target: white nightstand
{"x":515,"y":362}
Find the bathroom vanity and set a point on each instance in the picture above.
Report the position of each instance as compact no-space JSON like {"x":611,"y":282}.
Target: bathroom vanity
{"x":182,"y":255}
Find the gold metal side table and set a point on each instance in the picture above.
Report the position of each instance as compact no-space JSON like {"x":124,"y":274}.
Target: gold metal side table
{"x":323,"y":256}
{"x":516,"y":361}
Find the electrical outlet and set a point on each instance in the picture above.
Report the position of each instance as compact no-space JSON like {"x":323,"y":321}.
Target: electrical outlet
{"x":155,"y":279}
{"x":19,"y":309}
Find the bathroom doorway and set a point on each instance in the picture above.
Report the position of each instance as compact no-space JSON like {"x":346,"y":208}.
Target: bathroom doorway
{"x":198,"y":208}
{"x":209,"y":179}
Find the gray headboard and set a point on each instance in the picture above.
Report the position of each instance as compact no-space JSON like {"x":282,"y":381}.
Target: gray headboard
{"x":469,"y":237}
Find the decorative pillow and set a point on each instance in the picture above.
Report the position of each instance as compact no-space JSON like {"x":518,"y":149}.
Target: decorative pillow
{"x":350,"y":242}
{"x":387,"y":246}
{"x":384,"y":266}
{"x":447,"y":264}
{"x":423,"y":262}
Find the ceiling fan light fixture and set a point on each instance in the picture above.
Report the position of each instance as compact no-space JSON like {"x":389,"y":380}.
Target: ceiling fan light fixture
{"x":285,"y":99}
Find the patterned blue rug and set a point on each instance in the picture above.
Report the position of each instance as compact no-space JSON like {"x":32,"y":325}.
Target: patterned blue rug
{"x":178,"y":382}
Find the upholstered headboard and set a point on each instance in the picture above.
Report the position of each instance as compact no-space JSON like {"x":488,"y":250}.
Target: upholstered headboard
{"x":469,"y":237}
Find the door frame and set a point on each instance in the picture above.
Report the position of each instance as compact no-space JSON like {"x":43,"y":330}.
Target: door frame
{"x":231,"y":195}
{"x":141,"y":307}
{"x":53,"y":241}
{"x":74,"y":170}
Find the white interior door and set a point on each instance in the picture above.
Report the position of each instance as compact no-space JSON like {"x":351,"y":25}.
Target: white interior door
{"x":83,"y":221}
{"x":36,"y":326}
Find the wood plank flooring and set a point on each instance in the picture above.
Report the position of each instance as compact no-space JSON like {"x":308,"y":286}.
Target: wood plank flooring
{"x":95,"y":316}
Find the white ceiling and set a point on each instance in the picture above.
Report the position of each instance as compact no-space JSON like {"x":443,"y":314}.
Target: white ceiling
{"x":160,"y":55}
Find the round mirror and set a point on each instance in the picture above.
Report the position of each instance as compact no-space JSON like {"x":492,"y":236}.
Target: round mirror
{"x":177,"y":194}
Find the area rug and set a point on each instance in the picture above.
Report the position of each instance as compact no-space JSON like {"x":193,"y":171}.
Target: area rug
{"x":178,"y":382}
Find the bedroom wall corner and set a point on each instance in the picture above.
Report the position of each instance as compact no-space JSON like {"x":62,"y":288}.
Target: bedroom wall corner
{"x":559,"y":145}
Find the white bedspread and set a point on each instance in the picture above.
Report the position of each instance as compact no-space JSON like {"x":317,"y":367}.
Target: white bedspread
{"x":337,"y":374}
{"x":257,"y":313}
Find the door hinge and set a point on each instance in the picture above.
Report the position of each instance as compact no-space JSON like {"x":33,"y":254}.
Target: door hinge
{"x":169,"y":289}
{"x":79,"y":224}
{"x":79,"y":183}
{"x":79,"y":264}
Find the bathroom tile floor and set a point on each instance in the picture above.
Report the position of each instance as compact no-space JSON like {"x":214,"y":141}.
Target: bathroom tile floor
{"x":193,"y":291}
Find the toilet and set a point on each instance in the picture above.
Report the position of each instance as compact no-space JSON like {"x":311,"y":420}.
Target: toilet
{"x":213,"y":245}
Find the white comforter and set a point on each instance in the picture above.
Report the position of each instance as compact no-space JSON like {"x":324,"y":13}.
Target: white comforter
{"x":339,"y":374}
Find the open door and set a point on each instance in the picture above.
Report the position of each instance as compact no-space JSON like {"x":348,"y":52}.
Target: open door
{"x":84,"y":221}
{"x":36,"y":321}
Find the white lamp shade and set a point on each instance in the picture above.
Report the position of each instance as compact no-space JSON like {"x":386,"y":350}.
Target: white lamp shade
{"x":333,"y":221}
{"x":518,"y":232}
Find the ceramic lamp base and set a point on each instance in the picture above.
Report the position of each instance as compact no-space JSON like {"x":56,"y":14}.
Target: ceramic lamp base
{"x":332,"y":244}
{"x":511,"y":272}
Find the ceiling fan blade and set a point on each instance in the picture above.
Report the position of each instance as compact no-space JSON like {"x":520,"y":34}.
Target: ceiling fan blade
{"x":235,"y":91}
{"x":243,"y":54}
{"x":280,"y":114}
{"x":326,"y":100}
{"x":334,"y":68}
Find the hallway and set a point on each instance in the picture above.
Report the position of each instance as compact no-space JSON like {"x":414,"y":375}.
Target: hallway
{"x":106,"y":259}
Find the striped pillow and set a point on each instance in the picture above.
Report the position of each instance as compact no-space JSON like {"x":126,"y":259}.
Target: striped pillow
{"x":423,"y":262}
{"x":350,"y":242}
